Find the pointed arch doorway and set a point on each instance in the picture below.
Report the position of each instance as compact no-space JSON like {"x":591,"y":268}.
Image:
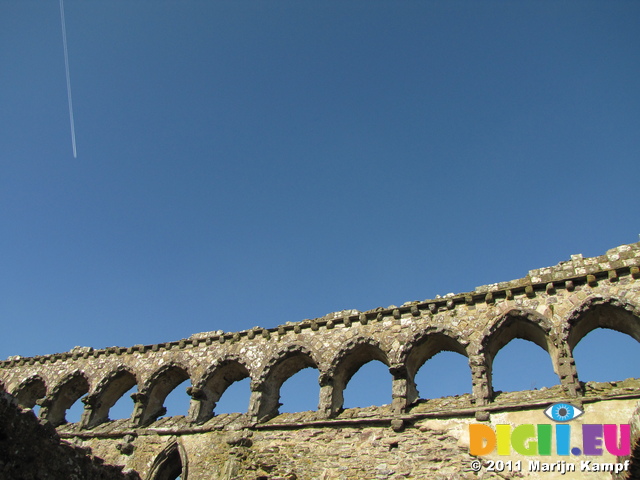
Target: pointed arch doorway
{"x":170,"y":464}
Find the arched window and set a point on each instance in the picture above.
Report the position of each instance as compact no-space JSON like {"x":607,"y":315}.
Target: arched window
{"x":29,"y":392}
{"x":376,"y":379}
{"x":370,"y":385}
{"x":235,"y":398}
{"x":225,"y":389}
{"x":604,"y":355}
{"x":438,"y":365}
{"x":177,"y":401}
{"x":527,"y":366}
{"x":444,"y":375}
{"x":603,"y":313}
{"x":161,"y":383}
{"x":110,"y":397}
{"x":522,"y":365}
{"x":170,"y":464}
{"x":300,"y":392}
{"x":123,"y":407}
{"x":601,"y":349}
{"x":284,"y":366}
{"x":66,"y":394}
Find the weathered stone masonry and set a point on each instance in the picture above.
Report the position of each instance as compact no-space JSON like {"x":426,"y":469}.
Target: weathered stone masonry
{"x":31,"y":451}
{"x":554,"y":307}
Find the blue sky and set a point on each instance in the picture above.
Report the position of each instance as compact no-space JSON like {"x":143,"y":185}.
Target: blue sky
{"x":251,"y":163}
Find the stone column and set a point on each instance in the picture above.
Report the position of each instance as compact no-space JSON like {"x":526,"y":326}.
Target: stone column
{"x":200,"y":408}
{"x":325,"y":403}
{"x":482,"y":389}
{"x":566,"y":369}
{"x":263,"y":403}
{"x":140,"y":401}
{"x":45,"y":407}
{"x":90,"y":413}
{"x":403,"y":389}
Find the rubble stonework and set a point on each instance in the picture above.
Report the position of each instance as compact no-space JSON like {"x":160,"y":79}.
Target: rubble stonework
{"x":31,"y":451}
{"x":554,"y":307}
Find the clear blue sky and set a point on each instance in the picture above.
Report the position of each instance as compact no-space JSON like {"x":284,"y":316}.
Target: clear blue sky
{"x":247,"y":163}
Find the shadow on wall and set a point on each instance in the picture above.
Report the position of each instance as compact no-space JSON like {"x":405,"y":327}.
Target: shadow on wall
{"x":23,"y":433}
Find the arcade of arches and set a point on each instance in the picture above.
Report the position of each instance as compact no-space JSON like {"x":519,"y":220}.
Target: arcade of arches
{"x":553,"y":309}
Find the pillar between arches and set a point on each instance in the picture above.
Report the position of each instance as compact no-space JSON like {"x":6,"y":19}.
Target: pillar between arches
{"x":326,"y":407}
{"x":263,"y":402}
{"x":403,"y":389}
{"x":45,"y":406}
{"x":481,"y":387}
{"x":200,"y":406}
{"x":140,"y":402}
{"x":89,"y":418}
{"x":566,"y":369}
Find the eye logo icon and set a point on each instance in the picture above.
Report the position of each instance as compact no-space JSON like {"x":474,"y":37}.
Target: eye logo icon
{"x":562,"y":412}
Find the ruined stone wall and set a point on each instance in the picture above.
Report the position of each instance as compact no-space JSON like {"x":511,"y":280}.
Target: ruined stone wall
{"x":32,"y":451}
{"x":429,"y":441}
{"x":554,"y":307}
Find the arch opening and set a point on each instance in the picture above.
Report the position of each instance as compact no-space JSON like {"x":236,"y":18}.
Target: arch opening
{"x":521,"y":365}
{"x":289,"y":364}
{"x":605,"y":355}
{"x":370,"y":385}
{"x":111,"y":391}
{"x":423,"y":368}
{"x":177,"y":401}
{"x":304,"y":380}
{"x":170,"y":464}
{"x":29,"y":392}
{"x":605,"y":315}
{"x":66,"y":395}
{"x":445,"y":374}
{"x":351,"y":362}
{"x":162,"y":384}
{"x":223,"y":377}
{"x":522,"y":326}
{"x":235,"y":398}
{"x":123,"y":406}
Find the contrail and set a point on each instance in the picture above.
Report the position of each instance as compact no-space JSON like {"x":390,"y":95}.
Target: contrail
{"x":66,"y":67}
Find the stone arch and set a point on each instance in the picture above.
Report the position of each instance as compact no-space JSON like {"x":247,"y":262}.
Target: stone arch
{"x":266,"y":387}
{"x":29,"y":391}
{"x":353,"y":355}
{"x":602,"y":312}
{"x":171,"y":463}
{"x":519,"y":323}
{"x":420,"y":348}
{"x":108,"y":391}
{"x":150,"y":400}
{"x":215,"y":381}
{"x":68,"y":390}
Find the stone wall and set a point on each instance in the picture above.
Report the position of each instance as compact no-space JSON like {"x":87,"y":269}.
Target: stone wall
{"x":553,"y":307}
{"x":429,"y":441}
{"x":33,"y":451}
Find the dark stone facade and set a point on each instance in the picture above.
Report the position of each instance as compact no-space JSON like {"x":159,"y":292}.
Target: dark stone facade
{"x":30,"y":450}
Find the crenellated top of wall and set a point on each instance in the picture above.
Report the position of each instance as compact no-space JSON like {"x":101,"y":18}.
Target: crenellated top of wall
{"x":616,"y":260}
{"x":621,"y":260}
